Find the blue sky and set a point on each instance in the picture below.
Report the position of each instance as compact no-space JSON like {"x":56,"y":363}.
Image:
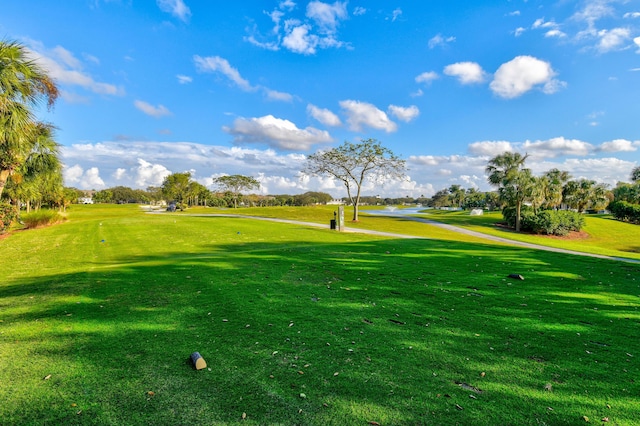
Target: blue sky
{"x":252,"y":87}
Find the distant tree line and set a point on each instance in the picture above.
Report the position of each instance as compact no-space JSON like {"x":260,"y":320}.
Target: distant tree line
{"x":181,"y":189}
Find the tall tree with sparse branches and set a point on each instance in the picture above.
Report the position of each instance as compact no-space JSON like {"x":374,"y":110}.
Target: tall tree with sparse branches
{"x":236,"y":184}
{"x":353,"y":164}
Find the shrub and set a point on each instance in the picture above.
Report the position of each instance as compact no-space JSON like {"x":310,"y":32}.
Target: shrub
{"x":549,"y":222}
{"x":41,"y":218}
{"x":559,"y":222}
{"x":7,"y":215}
{"x":625,"y":211}
{"x":509,"y":215}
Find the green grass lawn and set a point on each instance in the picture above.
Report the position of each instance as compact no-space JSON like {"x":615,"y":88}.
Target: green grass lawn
{"x":302,"y":325}
{"x":605,"y":235}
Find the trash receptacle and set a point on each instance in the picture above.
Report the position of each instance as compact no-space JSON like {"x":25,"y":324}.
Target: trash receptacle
{"x":332,"y":224}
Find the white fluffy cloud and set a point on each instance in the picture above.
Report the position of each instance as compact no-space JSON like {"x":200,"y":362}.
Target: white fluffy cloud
{"x":327,"y":16}
{"x":300,"y":40}
{"x":490,"y":148}
{"x":324,"y":116}
{"x":522,"y":74}
{"x":143,"y":164}
{"x":427,"y":77}
{"x":83,"y":179}
{"x":147,"y":174}
{"x":176,"y":8}
{"x":184,"y":79}
{"x":276,"y":132}
{"x":466,"y":72}
{"x":405,"y":114}
{"x":613,"y":39}
{"x":318,"y":31}
{"x":214,"y":64}
{"x":619,"y":145}
{"x":153,"y":111}
{"x":440,"y":40}
{"x":274,"y":95}
{"x":557,"y":147}
{"x":68,"y":71}
{"x":363,"y":114}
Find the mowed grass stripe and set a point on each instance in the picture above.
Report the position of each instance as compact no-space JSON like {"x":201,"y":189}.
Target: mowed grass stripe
{"x":306,"y":326}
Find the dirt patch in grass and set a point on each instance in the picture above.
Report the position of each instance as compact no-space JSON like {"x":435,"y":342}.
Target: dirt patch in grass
{"x":575,"y":235}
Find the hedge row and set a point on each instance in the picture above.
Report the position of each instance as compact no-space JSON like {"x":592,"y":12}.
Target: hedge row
{"x":549,"y":222}
{"x":625,"y":211}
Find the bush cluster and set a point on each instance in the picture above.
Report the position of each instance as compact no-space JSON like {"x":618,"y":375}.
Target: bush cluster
{"x":549,"y":222}
{"x":41,"y":218}
{"x":7,"y":215}
{"x":623,"y":210}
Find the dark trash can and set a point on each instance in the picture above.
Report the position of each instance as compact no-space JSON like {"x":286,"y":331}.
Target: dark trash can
{"x":332,"y":224}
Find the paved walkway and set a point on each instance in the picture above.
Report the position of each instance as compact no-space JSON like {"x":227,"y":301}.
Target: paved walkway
{"x":428,"y":222}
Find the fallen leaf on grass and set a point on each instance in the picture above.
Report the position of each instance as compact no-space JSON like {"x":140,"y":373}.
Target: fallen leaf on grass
{"x":244,"y":416}
{"x":605,"y":419}
{"x":303,"y":396}
{"x":47,"y":377}
{"x":151,"y":393}
{"x":585,"y":418}
{"x":459,"y":407}
{"x":374,"y":423}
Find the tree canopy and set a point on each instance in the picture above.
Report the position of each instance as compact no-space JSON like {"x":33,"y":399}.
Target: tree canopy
{"x":353,"y":164}
{"x":235,"y":184}
{"x":26,"y":145}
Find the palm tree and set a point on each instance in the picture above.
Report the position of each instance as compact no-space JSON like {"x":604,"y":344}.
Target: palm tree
{"x":514,"y":182}
{"x":23,"y":84}
{"x":635,"y":174}
{"x":41,"y":165}
{"x":539,"y":192}
{"x":457,"y":195}
{"x":556,"y":179}
{"x":585,"y":193}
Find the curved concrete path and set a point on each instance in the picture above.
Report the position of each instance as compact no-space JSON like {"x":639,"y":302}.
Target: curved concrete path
{"x":428,"y":222}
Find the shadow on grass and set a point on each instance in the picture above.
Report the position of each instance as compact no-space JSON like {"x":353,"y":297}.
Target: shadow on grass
{"x":397,"y":332}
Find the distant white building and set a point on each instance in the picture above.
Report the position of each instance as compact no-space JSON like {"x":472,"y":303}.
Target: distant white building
{"x":85,"y":200}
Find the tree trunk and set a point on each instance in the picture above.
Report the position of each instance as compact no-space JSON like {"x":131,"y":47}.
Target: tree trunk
{"x":518,"y":208}
{"x":4,"y":176}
